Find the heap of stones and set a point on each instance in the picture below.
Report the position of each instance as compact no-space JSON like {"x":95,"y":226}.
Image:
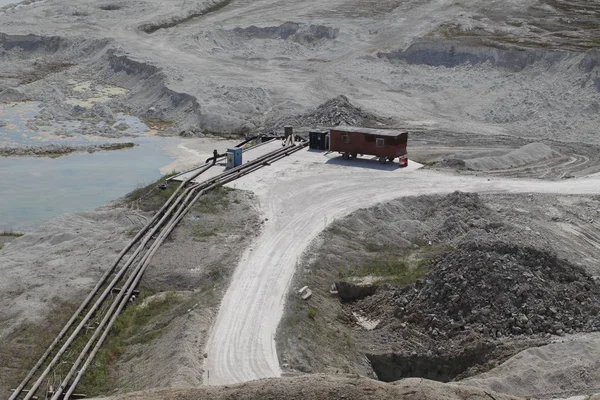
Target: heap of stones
{"x":501,"y":289}
{"x":334,"y":112}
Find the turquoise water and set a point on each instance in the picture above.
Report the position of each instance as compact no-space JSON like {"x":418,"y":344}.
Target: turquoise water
{"x":36,"y":189}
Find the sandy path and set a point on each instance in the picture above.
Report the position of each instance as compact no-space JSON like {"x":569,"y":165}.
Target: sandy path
{"x":300,"y":196}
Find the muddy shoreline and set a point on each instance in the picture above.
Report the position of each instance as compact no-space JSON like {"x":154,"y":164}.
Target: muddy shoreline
{"x":54,"y":150}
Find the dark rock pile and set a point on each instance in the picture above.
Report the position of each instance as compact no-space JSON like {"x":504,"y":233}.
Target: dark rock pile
{"x":334,"y":112}
{"x":501,"y":289}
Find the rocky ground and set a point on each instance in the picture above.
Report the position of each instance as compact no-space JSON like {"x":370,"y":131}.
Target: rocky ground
{"x":325,"y":387}
{"x":183,"y":286}
{"x":486,"y":88}
{"x":444,"y":287}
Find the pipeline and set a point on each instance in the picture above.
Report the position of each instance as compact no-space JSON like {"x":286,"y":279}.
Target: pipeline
{"x":209,"y":160}
{"x":171,"y":205}
{"x":247,"y":141}
{"x":96,"y":289}
{"x":140,"y":269}
{"x":168,"y":212}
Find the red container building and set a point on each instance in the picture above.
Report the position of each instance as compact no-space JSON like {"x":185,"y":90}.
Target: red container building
{"x":383,"y":143}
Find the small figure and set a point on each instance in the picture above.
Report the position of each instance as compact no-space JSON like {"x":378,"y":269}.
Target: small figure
{"x":215,"y":155}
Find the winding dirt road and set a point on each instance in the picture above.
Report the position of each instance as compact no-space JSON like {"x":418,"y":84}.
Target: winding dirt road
{"x":299,"y":197}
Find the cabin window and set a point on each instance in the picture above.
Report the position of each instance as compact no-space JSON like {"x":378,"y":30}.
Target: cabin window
{"x":346,"y":138}
{"x":380,"y":142}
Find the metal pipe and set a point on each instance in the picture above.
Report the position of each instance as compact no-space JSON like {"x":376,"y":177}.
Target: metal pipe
{"x":244,"y":150}
{"x":107,"y":291}
{"x":121,"y":299}
{"x":111,"y":309}
{"x":140,"y":270}
{"x":122,"y":302}
{"x":93,"y":292}
{"x":247,"y":140}
{"x":219,"y":179}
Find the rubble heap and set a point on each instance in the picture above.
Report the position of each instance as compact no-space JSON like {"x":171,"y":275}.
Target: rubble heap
{"x":334,"y":112}
{"x":501,"y":289}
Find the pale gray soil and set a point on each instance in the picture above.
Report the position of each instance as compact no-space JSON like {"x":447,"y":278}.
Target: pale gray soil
{"x":47,"y":272}
{"x":241,"y":63}
{"x":195,"y":264}
{"x":55,"y":266}
{"x":479,"y":84}
{"x":503,"y":155}
{"x":568,"y":367}
{"x":300,"y":196}
{"x":336,"y":339}
{"x":323,"y":387}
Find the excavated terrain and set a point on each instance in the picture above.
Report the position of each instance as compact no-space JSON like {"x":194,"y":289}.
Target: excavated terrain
{"x":444,"y":287}
{"x":441,"y":287}
{"x":322,"y":387}
{"x":223,"y":66}
{"x":179,"y":298}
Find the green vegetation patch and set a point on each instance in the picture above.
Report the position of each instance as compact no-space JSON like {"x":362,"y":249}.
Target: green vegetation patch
{"x":224,"y":135}
{"x":139,"y":324}
{"x":213,"y":201}
{"x":11,"y":234}
{"x":398,"y":268}
{"x":396,"y":271}
{"x":21,"y":348}
{"x":151,"y":197}
{"x":200,"y":234}
{"x":311,"y":312}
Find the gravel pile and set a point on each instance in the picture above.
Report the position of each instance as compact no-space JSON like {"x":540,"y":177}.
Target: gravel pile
{"x":334,"y":112}
{"x":501,"y":289}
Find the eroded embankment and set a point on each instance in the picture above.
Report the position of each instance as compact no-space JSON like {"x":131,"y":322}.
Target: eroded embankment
{"x":70,"y":59}
{"x":150,"y":95}
{"x":59,"y":150}
{"x":172,"y":21}
{"x":453,"y":53}
{"x":322,"y":387}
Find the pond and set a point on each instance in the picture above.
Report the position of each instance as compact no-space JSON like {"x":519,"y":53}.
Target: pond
{"x":36,"y":189}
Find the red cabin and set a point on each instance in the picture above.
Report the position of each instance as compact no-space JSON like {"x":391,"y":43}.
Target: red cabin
{"x":383,"y":143}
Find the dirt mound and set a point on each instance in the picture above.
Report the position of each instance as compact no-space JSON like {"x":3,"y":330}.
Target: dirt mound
{"x":334,"y":112}
{"x":530,"y":153}
{"x":460,"y":237}
{"x":480,"y":303}
{"x":319,"y":387}
{"x":501,"y":289}
{"x":300,"y":33}
{"x":558,"y":370}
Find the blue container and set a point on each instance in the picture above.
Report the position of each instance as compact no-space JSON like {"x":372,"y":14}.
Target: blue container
{"x":234,"y":157}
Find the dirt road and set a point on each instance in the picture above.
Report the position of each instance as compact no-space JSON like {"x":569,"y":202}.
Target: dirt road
{"x":299,"y":197}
